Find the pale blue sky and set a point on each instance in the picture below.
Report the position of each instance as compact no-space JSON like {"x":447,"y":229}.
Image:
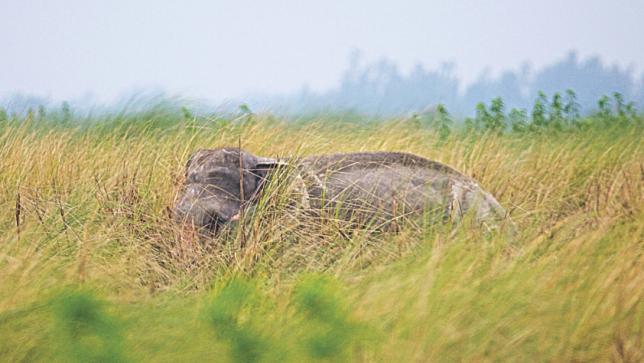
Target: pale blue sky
{"x":220,"y":49}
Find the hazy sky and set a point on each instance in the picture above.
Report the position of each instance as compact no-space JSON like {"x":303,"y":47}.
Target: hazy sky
{"x":219,"y":49}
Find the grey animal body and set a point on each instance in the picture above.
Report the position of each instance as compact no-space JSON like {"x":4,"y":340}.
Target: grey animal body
{"x":372,"y":188}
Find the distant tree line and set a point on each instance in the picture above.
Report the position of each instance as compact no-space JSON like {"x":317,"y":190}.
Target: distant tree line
{"x":381,"y":88}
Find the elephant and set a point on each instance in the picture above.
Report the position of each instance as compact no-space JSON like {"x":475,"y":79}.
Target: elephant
{"x":369,"y":188}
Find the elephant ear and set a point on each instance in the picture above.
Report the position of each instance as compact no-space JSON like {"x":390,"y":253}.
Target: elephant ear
{"x":261,"y":170}
{"x":298,"y":186}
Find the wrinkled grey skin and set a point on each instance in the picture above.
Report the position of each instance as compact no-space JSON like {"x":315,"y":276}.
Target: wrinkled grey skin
{"x":368,"y":188}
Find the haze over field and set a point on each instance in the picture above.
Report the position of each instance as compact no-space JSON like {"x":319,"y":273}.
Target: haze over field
{"x":296,"y":56}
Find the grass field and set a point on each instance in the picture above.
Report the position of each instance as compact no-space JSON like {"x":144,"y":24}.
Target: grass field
{"x":92,"y":269}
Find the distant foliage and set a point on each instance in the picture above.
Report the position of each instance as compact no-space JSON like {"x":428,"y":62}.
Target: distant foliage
{"x":442,"y":122}
{"x":572,"y":107}
{"x":555,"y":119}
{"x":539,"y":111}
{"x":560,"y":113}
{"x":496,"y":121}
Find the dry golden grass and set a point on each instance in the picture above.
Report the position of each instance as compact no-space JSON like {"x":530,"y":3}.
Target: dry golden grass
{"x":88,"y":207}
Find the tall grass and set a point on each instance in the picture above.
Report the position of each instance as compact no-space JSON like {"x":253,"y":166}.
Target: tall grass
{"x":92,"y":268}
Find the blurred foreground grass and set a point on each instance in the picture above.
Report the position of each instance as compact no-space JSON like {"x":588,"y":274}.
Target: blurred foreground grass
{"x":92,"y":269}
